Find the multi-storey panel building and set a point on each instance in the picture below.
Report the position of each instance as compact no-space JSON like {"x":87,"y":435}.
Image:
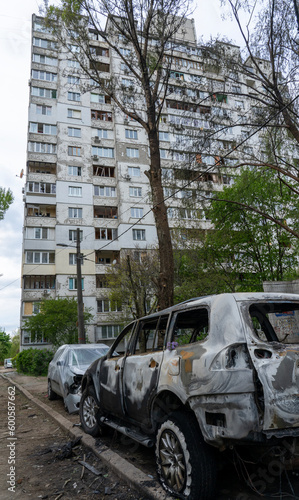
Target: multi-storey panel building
{"x":86,"y":167}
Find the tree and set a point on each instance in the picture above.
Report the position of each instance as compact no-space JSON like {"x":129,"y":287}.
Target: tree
{"x":6,"y":199}
{"x":5,"y":345}
{"x":266,"y":74}
{"x":244,"y":248}
{"x":15,"y":344}
{"x":56,"y":322}
{"x":147,"y":31}
{"x":134,"y":283}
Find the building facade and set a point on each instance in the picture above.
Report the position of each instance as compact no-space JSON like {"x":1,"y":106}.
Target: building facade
{"x":86,"y":165}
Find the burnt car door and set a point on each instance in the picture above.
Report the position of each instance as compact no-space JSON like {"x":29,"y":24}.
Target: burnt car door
{"x":142,"y":368}
{"x":111,"y":371}
{"x":274,"y":349}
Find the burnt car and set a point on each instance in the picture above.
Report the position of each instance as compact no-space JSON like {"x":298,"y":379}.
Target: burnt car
{"x":204,"y":375}
{"x":66,"y":370}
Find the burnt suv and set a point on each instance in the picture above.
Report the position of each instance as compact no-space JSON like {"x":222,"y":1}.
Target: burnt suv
{"x":209,"y":373}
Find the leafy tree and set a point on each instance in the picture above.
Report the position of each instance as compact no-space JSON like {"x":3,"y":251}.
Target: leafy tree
{"x":15,"y":344}
{"x":266,"y":74}
{"x":141,"y":34}
{"x":56,"y":322}
{"x":5,"y":345}
{"x":6,"y":199}
{"x":134,"y":283}
{"x":244,"y":248}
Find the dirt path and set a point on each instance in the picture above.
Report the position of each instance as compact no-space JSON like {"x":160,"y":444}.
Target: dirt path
{"x":40,"y":473}
{"x":38,"y":460}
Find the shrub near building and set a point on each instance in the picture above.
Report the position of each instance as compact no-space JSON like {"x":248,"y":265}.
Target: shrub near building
{"x":33,"y":361}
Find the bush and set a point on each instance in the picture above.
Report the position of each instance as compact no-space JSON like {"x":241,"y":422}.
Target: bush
{"x":33,"y":361}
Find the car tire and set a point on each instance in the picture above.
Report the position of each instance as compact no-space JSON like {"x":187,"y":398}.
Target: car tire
{"x":51,"y":394}
{"x":88,"y":408}
{"x":185,"y":463}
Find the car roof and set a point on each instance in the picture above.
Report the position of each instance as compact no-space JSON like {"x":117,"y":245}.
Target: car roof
{"x":238,"y":297}
{"x":83,"y":346}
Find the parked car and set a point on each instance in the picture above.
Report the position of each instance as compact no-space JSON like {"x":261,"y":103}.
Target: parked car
{"x":207,"y":374}
{"x":66,"y":370}
{"x":8,"y":363}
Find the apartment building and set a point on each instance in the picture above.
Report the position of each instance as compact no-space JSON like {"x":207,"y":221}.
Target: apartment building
{"x":86,"y":166}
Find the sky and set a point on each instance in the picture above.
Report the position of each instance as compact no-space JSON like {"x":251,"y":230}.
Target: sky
{"x":15,"y":46}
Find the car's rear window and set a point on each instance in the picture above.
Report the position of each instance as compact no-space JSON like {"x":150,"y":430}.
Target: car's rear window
{"x":276,"y":321}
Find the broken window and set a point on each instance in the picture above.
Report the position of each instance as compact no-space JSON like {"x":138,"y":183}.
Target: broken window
{"x":105,"y":212}
{"x":100,"y":66}
{"x":105,"y":233}
{"x":276,"y":322}
{"x":190,"y":326}
{"x":103,"y":171}
{"x":39,"y":282}
{"x":101,"y":281}
{"x":101,"y":115}
{"x":151,"y":335}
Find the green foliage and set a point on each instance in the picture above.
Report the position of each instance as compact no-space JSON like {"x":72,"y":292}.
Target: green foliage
{"x":33,"y":361}
{"x":15,"y":345}
{"x":5,"y":345}
{"x":56,"y":321}
{"x":245,"y":248}
{"x":6,"y":199}
{"x":133,"y":283}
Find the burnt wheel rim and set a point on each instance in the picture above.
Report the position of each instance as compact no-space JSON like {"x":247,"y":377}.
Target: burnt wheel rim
{"x":89,"y":412}
{"x":172,"y":459}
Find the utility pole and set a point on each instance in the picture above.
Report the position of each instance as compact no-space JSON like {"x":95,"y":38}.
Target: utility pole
{"x":81,"y":331}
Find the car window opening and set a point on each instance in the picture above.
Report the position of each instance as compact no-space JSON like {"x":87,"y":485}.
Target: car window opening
{"x":276,"y":322}
{"x":191,"y":326}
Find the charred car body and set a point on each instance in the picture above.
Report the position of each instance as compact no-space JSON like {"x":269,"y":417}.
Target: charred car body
{"x":66,"y":370}
{"x":209,"y":373}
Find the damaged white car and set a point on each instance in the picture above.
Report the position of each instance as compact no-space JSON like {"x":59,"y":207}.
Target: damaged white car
{"x":207,"y":374}
{"x":66,"y":370}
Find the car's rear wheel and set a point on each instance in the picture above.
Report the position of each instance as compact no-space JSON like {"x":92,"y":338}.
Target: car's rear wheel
{"x":88,"y":409}
{"x":51,"y":394}
{"x":185,"y":463}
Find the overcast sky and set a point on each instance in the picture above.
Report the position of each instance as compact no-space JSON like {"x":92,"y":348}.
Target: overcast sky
{"x":15,"y":29}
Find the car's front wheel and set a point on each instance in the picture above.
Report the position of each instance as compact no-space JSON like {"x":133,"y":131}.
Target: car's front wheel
{"x":51,"y":394}
{"x":88,"y":410}
{"x":185,"y":463}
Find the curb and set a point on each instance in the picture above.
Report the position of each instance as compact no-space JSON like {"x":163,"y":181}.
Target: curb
{"x":135,"y":478}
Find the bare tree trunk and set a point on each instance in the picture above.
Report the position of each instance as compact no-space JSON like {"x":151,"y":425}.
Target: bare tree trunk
{"x":166,"y":275}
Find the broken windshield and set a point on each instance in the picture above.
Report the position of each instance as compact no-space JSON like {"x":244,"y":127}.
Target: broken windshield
{"x":85,"y":356}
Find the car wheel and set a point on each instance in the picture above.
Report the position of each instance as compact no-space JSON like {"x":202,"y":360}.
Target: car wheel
{"x":185,"y":463}
{"x":88,"y":410}
{"x":51,"y":394}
